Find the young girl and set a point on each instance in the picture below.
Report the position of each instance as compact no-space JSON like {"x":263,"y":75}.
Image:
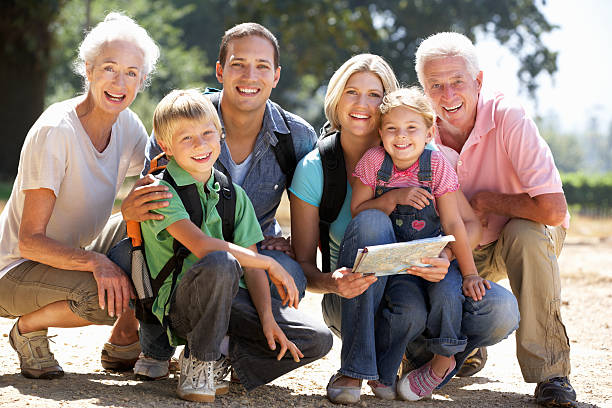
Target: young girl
{"x":408,"y":182}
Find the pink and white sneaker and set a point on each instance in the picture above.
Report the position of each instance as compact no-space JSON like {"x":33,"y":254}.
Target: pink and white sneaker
{"x":419,"y":383}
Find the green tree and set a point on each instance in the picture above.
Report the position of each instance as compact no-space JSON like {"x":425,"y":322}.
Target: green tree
{"x":315,"y":37}
{"x":179,"y":66}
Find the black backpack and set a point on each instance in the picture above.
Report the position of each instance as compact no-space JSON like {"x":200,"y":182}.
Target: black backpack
{"x":283,"y":151}
{"x":226,"y":207}
{"x":334,"y":190}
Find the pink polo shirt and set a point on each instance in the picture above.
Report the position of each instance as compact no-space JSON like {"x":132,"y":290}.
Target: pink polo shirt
{"x":506,"y":154}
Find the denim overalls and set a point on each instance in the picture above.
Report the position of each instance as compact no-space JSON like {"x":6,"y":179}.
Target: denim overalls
{"x":445,"y":298}
{"x":410,"y":223}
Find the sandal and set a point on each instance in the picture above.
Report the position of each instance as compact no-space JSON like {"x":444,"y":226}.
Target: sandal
{"x":473,"y":363}
{"x":342,"y":394}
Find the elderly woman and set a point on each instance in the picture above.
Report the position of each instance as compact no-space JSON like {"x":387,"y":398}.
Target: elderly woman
{"x":55,"y":228}
{"x":374,"y":318}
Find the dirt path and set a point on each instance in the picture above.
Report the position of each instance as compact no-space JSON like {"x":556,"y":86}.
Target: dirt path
{"x":587,"y":309}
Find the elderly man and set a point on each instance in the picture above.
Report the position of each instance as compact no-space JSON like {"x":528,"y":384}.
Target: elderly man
{"x":507,"y":172}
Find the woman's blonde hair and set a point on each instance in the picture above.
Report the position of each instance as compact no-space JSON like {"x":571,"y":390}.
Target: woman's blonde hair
{"x":359,"y":63}
{"x":412,"y":98}
{"x":182,"y":105}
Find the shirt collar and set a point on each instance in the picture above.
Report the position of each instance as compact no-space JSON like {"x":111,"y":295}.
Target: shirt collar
{"x":273,"y":121}
{"x":485,"y":117}
{"x":182,"y":177}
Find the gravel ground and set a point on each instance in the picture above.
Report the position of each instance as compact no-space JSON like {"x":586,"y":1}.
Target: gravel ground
{"x":587,"y":304}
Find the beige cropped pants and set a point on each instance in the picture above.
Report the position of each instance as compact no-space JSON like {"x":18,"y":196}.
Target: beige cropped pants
{"x":31,"y":285}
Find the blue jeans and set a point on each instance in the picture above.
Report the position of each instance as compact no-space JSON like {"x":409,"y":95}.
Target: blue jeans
{"x":379,"y":340}
{"x":153,"y":337}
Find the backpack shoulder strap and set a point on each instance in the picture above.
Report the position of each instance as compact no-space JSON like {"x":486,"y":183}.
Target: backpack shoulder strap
{"x":284,"y":150}
{"x":425,"y":173}
{"x":334,"y":190}
{"x":226,"y":206}
{"x":191,"y":200}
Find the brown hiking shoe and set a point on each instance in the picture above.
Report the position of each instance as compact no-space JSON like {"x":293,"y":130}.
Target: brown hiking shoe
{"x":35,"y":358}
{"x":120,"y":358}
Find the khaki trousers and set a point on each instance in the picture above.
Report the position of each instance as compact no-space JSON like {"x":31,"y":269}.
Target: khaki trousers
{"x":31,"y":285}
{"x":526,"y":252}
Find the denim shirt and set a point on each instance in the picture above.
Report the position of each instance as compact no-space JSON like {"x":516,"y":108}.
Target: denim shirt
{"x":265,"y":181}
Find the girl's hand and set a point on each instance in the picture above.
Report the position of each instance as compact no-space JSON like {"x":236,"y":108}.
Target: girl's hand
{"x":413,"y":196}
{"x":474,"y":286}
{"x":434,"y":273}
{"x":274,"y":335}
{"x":284,"y":284}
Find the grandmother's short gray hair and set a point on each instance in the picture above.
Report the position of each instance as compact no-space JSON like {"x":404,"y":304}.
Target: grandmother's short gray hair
{"x":117,"y":26}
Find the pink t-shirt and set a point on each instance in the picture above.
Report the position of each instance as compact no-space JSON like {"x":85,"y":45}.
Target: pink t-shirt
{"x":504,"y":153}
{"x":444,"y":178}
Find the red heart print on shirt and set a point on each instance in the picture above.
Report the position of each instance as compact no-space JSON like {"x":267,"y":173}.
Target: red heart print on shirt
{"x":418,"y":224}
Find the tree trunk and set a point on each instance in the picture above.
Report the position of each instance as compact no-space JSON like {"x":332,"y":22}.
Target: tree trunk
{"x":25,"y":44}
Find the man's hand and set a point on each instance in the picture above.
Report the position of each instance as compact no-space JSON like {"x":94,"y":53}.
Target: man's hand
{"x":140,"y":201}
{"x":479,"y":205}
{"x":114,"y":287}
{"x":348,"y":284}
{"x":278,"y":244}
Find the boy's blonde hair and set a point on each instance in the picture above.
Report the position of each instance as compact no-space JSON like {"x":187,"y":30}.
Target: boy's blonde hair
{"x":412,"y":98}
{"x":179,"y":105}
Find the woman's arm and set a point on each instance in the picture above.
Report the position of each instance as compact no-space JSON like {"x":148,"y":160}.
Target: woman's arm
{"x":259,"y":289}
{"x":201,"y":245}
{"x":305,"y":238}
{"x":35,"y":245}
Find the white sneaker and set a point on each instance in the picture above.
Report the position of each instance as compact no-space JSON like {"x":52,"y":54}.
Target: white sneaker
{"x":197,"y":380}
{"x":150,"y":369}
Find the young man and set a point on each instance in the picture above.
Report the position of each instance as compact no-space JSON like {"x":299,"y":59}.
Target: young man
{"x":507,"y":172}
{"x":248,"y":68}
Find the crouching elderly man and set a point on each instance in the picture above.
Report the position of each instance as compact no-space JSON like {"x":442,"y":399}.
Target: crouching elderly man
{"x":507,"y":172}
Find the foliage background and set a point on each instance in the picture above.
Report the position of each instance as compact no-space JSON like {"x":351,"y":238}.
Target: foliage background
{"x":40,"y":39}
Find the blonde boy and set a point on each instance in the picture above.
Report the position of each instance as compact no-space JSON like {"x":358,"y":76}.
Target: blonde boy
{"x":199,"y":307}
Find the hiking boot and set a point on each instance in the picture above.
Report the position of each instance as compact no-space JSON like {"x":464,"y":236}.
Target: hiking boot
{"x":35,"y":358}
{"x":473,"y":363}
{"x":197,"y":379}
{"x":555,"y":392}
{"x":119,"y":358}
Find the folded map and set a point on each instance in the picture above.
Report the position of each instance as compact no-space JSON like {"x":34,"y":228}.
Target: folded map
{"x":392,"y":259}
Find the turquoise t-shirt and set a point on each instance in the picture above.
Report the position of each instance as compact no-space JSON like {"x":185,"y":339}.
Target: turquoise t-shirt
{"x":158,"y":242}
{"x":307,"y":185}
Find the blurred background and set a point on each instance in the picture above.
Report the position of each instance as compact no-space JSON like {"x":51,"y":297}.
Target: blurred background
{"x":551,"y":54}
